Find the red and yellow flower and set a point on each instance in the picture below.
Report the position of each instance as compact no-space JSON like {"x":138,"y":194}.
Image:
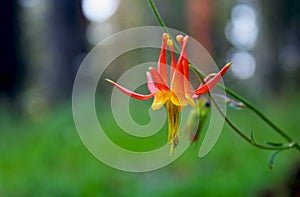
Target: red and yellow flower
{"x":173,"y":91}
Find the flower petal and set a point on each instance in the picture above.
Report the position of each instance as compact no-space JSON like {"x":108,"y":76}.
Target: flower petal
{"x":204,"y":88}
{"x":182,"y":55}
{"x":159,"y":82}
{"x":179,"y":39}
{"x":160,"y":98}
{"x":150,"y":83}
{"x":177,"y":87}
{"x":130,"y":93}
{"x":162,"y":62}
{"x":189,"y":98}
{"x":180,"y":81}
{"x":185,"y":64}
{"x":173,"y":60}
{"x":206,"y":79}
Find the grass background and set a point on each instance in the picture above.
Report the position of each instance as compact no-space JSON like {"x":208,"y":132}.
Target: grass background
{"x":47,"y":158}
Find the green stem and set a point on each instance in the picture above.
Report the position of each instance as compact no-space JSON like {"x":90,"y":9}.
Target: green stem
{"x":244,"y":136}
{"x":157,"y":16}
{"x":291,"y":144}
{"x":259,"y":113}
{"x":256,"y":111}
{"x":162,"y":24}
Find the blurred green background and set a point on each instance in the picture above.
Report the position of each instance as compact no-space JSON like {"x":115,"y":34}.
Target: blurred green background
{"x":42,"y":46}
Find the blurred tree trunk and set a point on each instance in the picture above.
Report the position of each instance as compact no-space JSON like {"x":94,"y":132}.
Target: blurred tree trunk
{"x":12,"y":67}
{"x":283,"y":33}
{"x":270,"y":50}
{"x":67,"y":46}
{"x":199,"y":18}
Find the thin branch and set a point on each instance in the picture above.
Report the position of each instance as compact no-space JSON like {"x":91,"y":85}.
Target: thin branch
{"x":157,"y":16}
{"x":244,"y":136}
{"x":291,"y":144}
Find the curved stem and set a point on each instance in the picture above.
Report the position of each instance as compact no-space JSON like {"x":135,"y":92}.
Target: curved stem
{"x":244,"y":136}
{"x":291,"y":144}
{"x":255,"y":110}
{"x":259,"y":113}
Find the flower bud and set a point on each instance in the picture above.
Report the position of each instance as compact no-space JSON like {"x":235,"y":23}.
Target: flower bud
{"x":197,"y":118}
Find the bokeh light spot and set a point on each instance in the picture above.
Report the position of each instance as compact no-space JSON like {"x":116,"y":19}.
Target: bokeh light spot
{"x":99,"y":10}
{"x":244,"y":64}
{"x":242,"y":30}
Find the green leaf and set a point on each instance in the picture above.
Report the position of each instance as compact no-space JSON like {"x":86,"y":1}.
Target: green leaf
{"x":272,"y":158}
{"x":274,"y":144}
{"x":252,"y":136}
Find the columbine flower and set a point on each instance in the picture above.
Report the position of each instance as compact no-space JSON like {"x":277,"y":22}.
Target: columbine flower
{"x":174,"y":92}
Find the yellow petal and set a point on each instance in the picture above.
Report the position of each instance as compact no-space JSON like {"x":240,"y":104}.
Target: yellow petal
{"x":178,"y":99}
{"x":160,"y":98}
{"x":189,"y":99}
